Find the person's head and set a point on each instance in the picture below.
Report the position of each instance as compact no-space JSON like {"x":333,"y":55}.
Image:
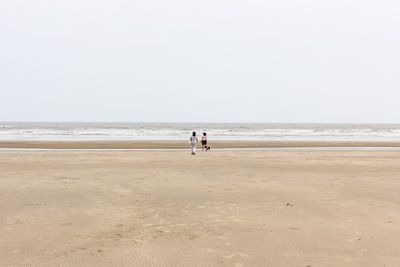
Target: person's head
{"x":194,"y":134}
{"x":204,"y":134}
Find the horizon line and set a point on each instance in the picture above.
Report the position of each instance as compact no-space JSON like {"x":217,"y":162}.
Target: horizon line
{"x":196,"y":122}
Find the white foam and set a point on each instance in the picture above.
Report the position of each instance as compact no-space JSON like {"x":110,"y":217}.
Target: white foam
{"x":181,"y":131}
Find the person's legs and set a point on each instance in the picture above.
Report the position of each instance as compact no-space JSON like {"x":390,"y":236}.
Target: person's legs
{"x":193,"y":149}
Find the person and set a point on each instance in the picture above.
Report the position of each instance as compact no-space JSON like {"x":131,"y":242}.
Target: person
{"x":193,"y":142}
{"x":204,"y":142}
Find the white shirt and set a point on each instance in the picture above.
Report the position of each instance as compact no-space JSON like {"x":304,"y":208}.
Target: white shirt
{"x":193,"y":140}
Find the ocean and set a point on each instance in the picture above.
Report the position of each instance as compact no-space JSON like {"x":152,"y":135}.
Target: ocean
{"x":182,"y":131}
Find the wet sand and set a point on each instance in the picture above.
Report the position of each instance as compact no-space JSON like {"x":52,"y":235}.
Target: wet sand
{"x":184,"y":145}
{"x":218,"y":208}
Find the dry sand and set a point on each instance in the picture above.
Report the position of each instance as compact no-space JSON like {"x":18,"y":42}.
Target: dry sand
{"x":220,"y":208}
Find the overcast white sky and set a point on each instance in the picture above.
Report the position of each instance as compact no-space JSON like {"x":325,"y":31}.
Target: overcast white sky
{"x":209,"y":60}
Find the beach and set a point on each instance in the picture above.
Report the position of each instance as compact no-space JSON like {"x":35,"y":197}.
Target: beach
{"x":219,"y":208}
{"x":174,"y":144}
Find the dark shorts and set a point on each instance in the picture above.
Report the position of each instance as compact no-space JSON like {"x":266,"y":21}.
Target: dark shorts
{"x":204,"y":142}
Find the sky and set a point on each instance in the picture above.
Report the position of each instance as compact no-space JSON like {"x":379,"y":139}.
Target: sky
{"x":200,"y":61}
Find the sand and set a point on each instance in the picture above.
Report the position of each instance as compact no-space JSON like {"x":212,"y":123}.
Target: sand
{"x":218,"y":208}
{"x":183,"y":145}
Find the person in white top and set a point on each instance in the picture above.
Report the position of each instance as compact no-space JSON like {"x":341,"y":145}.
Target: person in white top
{"x":204,"y":142}
{"x":193,"y":142}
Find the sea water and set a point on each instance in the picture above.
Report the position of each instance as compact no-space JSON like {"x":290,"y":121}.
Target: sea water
{"x":182,"y":131}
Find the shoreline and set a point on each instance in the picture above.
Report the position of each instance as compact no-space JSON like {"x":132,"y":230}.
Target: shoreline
{"x":160,"y":144}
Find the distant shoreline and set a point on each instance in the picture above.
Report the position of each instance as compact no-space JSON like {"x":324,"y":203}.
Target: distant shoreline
{"x":183,"y":144}
{"x":224,"y":132}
